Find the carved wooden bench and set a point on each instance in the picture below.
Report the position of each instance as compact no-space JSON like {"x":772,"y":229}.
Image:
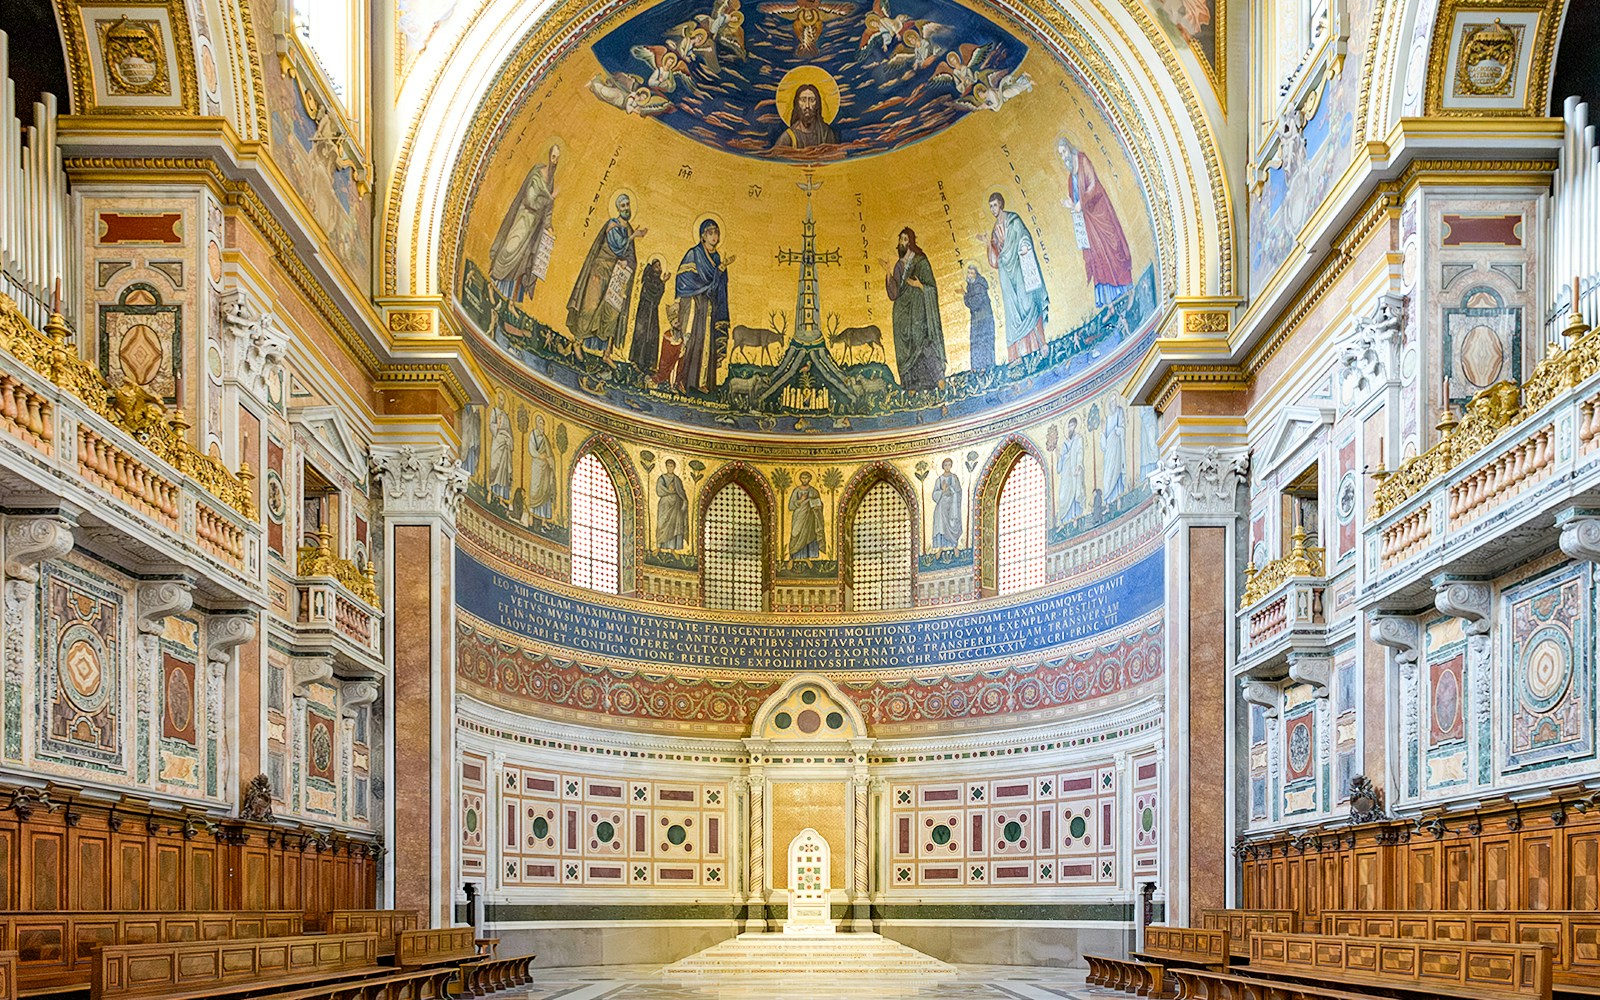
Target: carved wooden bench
{"x":198,"y":969}
{"x":1241,"y":924}
{"x":1144,"y":972}
{"x":387,"y":924}
{"x":492,"y":973}
{"x":1573,"y":936}
{"x":1356,"y":965}
{"x":441,"y":946}
{"x":55,"y":949}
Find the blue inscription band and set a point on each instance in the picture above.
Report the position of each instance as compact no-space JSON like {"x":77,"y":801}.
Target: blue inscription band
{"x":573,"y":626}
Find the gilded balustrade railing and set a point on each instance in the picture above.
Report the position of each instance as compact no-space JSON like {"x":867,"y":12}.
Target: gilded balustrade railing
{"x":1489,"y":413}
{"x":1302,"y":561}
{"x":128,"y":407}
{"x":319,"y":560}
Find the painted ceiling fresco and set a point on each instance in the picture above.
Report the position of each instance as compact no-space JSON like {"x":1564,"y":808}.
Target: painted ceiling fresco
{"x":800,"y":216}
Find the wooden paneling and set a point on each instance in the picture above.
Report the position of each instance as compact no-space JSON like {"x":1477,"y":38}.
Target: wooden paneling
{"x":1192,"y":945}
{"x":1537,"y":857}
{"x":60,"y":854}
{"x":1514,"y":972}
{"x":1572,"y":937}
{"x":436,"y":947}
{"x":1241,"y":924}
{"x":132,"y":970}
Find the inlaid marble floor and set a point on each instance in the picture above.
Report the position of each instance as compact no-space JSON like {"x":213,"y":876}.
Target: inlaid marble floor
{"x":645,"y":982}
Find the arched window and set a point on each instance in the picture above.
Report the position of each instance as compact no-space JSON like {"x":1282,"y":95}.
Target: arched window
{"x":1019,"y":531}
{"x":733,"y":551}
{"x":595,"y":517}
{"x":880,"y":551}
{"x":333,"y":31}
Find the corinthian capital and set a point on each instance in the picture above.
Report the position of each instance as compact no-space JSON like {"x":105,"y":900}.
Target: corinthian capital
{"x":418,"y":480}
{"x":1195,"y":481}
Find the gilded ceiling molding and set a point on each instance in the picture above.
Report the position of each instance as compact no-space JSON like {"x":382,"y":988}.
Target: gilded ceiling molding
{"x":249,"y":97}
{"x":130,"y":57}
{"x":1486,"y":54}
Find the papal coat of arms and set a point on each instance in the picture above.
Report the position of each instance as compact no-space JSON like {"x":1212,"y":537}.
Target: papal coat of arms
{"x":1488,"y":61}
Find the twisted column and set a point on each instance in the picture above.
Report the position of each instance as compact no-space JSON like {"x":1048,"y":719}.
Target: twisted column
{"x":757,"y":900}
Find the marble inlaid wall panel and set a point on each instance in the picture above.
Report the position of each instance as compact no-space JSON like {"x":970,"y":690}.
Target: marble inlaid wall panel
{"x":1442,"y":728}
{"x":1547,"y":686}
{"x":1043,"y":828}
{"x":82,"y":690}
{"x":569,"y":830}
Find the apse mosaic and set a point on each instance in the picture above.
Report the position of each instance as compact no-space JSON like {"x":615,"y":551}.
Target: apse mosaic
{"x":804,"y":216}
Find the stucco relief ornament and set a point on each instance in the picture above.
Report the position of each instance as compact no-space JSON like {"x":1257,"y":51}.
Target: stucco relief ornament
{"x":260,"y":346}
{"x":255,"y":802}
{"x":1191,"y":482}
{"x":1366,"y":800}
{"x":419,"y":480}
{"x":1488,"y":61}
{"x":1369,"y":356}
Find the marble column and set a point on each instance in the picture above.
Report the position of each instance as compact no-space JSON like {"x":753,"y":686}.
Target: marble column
{"x":1198,"y":488}
{"x":860,"y":855}
{"x":1402,"y":637}
{"x":756,"y":838}
{"x":421,"y":487}
{"x":30,"y":541}
{"x":1472,"y":602}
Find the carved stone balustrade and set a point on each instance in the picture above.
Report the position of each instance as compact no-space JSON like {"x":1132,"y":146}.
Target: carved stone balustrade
{"x":1518,"y":457}
{"x":1282,"y":606}
{"x":337,"y":607}
{"x":152,"y":501}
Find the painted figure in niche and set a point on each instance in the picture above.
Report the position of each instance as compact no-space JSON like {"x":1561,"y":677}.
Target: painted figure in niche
{"x":1106,"y":259}
{"x":1022,"y":293}
{"x":672,"y":509}
{"x":541,"y":471}
{"x":1069,"y":474}
{"x":918,"y":331}
{"x":502,"y":444}
{"x":645,"y":349}
{"x":805,"y":525}
{"x":947,"y":507}
{"x":471,"y":438}
{"x":597,"y":309}
{"x":669,"y":368}
{"x":980,"y":326}
{"x":702,"y":290}
{"x":520,"y":254}
{"x":1114,"y":440}
{"x":807,"y":127}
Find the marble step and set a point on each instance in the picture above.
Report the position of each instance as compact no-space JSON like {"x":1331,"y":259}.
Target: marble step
{"x":855,"y":955}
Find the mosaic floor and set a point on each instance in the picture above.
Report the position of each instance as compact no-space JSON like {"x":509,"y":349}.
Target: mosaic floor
{"x":645,"y":982}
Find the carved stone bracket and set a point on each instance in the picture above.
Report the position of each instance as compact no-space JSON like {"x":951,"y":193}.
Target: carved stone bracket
{"x":33,"y":541}
{"x":308,"y":670}
{"x":1370,"y":356}
{"x":157,"y":600}
{"x":1399,"y":633}
{"x":227,"y":632}
{"x":1262,"y":693}
{"x":1194,"y":482}
{"x":418,"y":480}
{"x":1311,"y":668}
{"x":357,"y":694}
{"x":1470,"y":600}
{"x":1580,"y":533}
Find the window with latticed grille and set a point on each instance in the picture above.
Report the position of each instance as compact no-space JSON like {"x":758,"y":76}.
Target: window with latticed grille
{"x":733,"y":551}
{"x":880,"y":559}
{"x":595,"y":532}
{"x":1019,"y":527}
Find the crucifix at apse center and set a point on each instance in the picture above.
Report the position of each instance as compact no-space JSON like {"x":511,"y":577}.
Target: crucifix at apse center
{"x":807,"y":378}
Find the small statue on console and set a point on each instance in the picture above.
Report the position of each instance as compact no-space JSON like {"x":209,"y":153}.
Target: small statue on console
{"x":255,"y":805}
